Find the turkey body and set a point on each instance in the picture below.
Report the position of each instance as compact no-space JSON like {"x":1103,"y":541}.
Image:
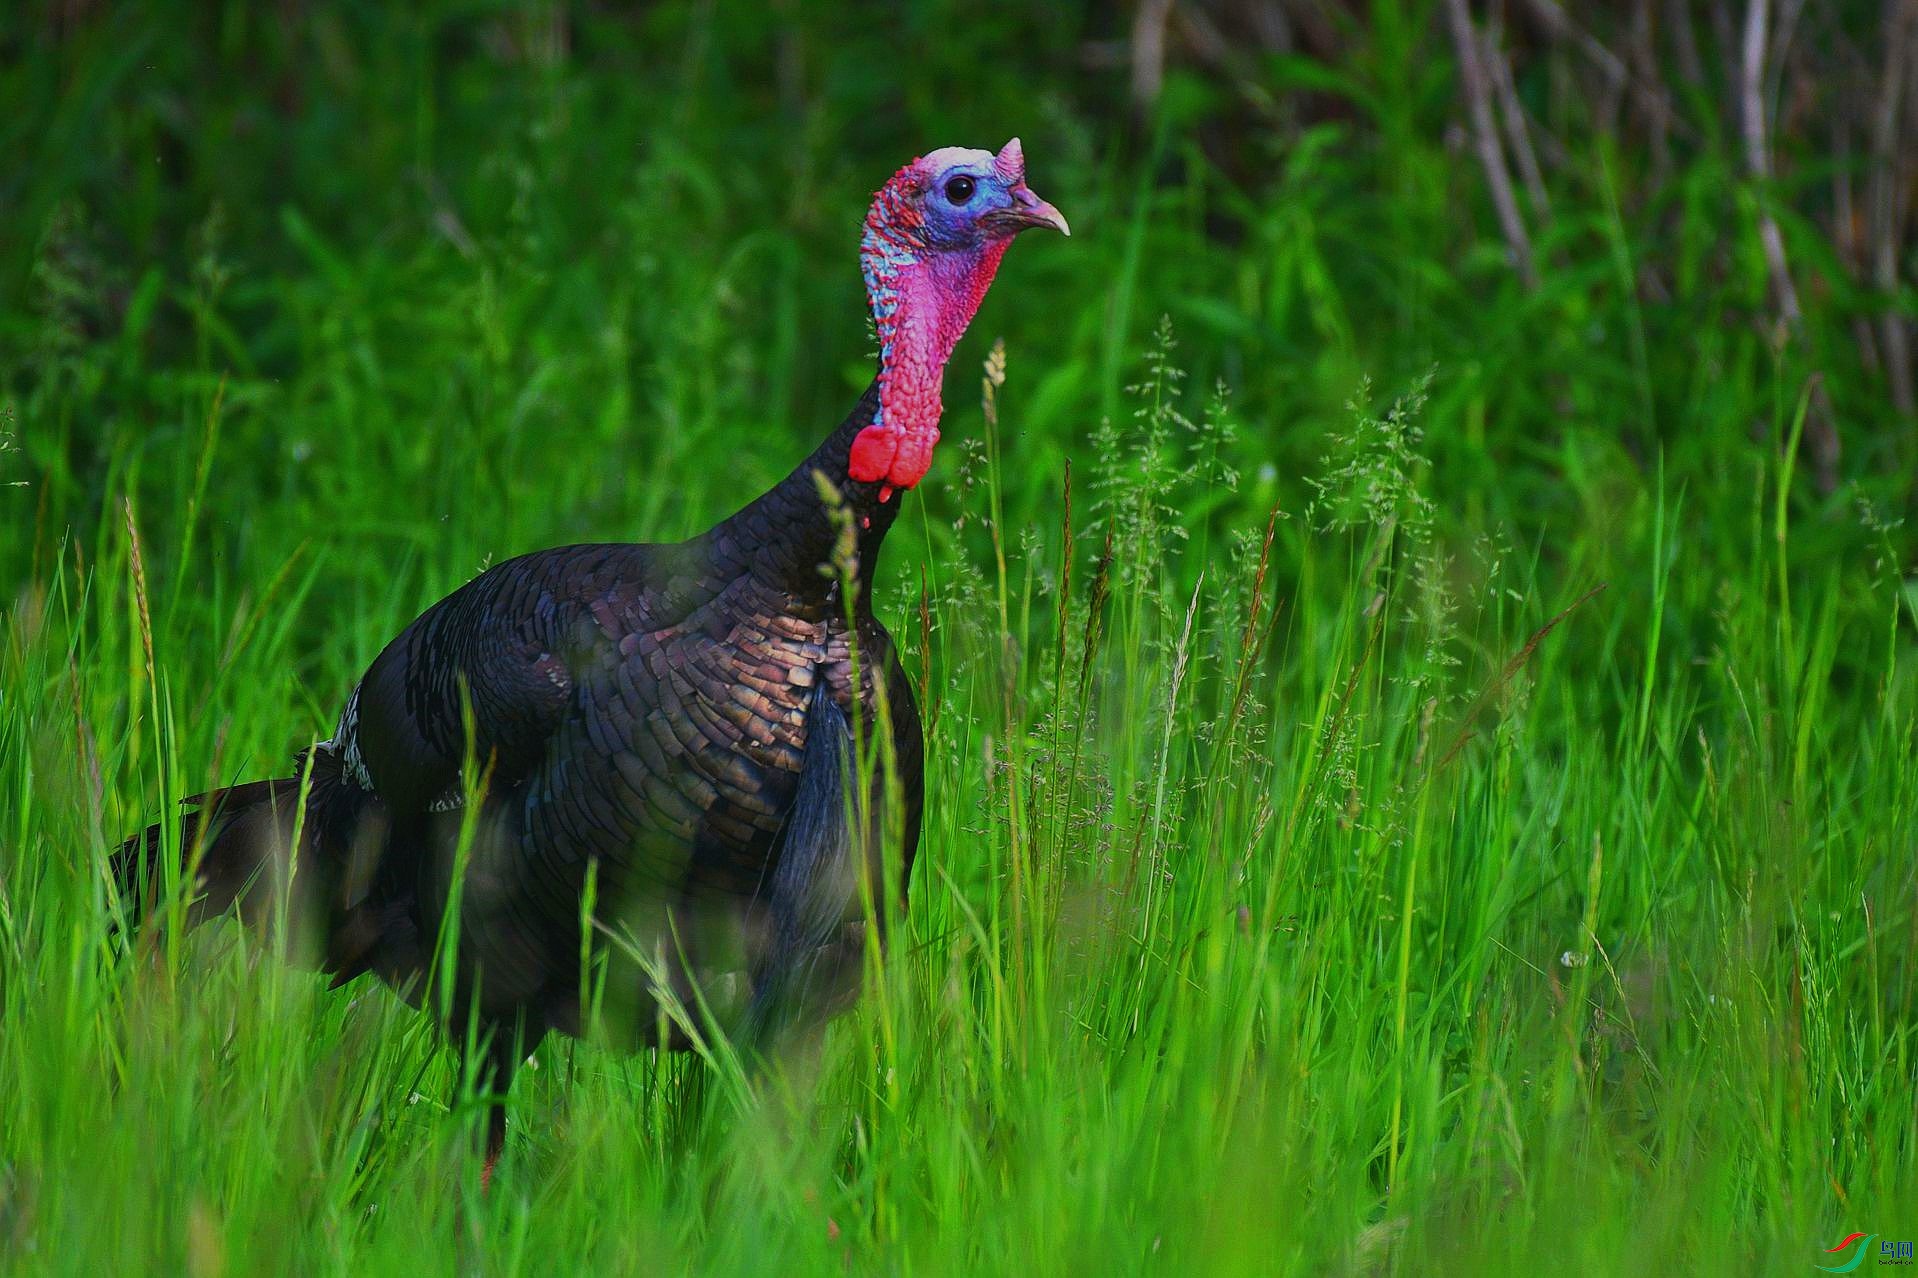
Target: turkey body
{"x":655,"y":788}
{"x":641,"y":713}
{"x":600,"y":750}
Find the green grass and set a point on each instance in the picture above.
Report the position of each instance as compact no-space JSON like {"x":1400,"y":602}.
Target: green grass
{"x":1375,"y":898}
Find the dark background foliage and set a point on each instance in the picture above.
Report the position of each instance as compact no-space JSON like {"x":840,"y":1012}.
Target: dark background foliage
{"x":1294,"y":183}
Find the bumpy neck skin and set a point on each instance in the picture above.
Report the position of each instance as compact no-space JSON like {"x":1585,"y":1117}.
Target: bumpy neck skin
{"x":922,"y":299}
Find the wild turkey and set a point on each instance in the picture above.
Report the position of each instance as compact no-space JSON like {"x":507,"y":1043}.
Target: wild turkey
{"x":675,"y":721}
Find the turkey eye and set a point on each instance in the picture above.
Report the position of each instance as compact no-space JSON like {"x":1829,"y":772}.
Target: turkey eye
{"x":959,"y":190}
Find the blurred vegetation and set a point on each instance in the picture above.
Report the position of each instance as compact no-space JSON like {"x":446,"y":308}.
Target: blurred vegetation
{"x":1348,"y":888}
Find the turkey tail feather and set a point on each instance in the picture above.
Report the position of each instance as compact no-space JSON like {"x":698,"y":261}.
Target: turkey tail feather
{"x":237,"y":845}
{"x":227,"y":838}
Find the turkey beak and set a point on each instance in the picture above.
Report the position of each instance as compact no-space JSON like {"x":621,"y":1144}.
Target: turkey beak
{"x":1026,"y":211}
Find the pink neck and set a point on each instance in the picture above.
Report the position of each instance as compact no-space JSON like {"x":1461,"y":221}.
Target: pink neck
{"x":922,"y":301}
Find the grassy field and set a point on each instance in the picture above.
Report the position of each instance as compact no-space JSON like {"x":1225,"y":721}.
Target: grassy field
{"x":1435,"y":788}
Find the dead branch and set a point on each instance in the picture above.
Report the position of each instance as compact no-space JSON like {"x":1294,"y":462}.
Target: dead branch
{"x":1751,"y":80}
{"x":1478,"y":104}
{"x":1148,"y":51}
{"x":1887,"y":199}
{"x":1685,"y":40}
{"x":1658,"y":109}
{"x":1784,"y":31}
{"x":1619,"y":77}
{"x":1849,"y":235}
{"x":1512,"y":114}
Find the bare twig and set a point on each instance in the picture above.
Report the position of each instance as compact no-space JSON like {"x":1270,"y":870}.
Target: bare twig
{"x":1724,"y":34}
{"x":1887,"y":200}
{"x":1557,"y":24}
{"x":1517,"y":135}
{"x":1272,"y":27}
{"x":1657,"y":107}
{"x":1784,"y":30}
{"x":1849,"y":234}
{"x":1678,"y":16}
{"x":1844,"y":208}
{"x":1148,"y":51}
{"x":1478,"y":103}
{"x":1560,"y":26}
{"x":1751,"y":80}
{"x":1239,"y":66}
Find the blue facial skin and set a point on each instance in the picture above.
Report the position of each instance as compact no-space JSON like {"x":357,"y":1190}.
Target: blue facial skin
{"x":954,"y":224}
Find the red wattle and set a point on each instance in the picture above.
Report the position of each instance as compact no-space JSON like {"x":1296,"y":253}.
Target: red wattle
{"x":897,"y":458}
{"x":914,"y":458}
{"x":872,"y":453}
